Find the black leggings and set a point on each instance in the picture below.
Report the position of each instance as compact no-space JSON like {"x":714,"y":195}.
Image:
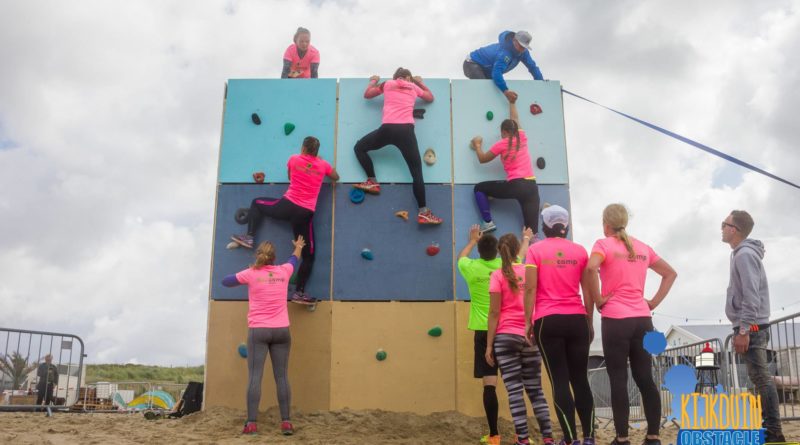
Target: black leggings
{"x":525,"y":191}
{"x":302,"y":220}
{"x":564,"y":343}
{"x":403,"y":137}
{"x":622,"y":340}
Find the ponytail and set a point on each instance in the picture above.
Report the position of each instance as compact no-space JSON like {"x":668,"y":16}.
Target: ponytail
{"x":622,"y":235}
{"x":511,"y":127}
{"x":509,"y":247}
{"x":265,"y":255}
{"x":616,"y":217}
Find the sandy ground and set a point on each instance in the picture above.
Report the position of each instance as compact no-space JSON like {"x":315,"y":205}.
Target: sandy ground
{"x":223,"y":426}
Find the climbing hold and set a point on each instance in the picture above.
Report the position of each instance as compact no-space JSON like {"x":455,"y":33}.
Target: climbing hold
{"x":256,"y":119}
{"x":232,"y":245}
{"x":357,"y":196}
{"x":433,"y":249}
{"x":241,"y":215}
{"x":540,"y":163}
{"x":293,"y":279}
{"x":419,"y":113}
{"x":380,"y":355}
{"x":435,"y":331}
{"x":402,"y":214}
{"x":259,"y":177}
{"x":429,"y":157}
{"x":367,"y":254}
{"x":288,"y":128}
{"x":242,"y":350}
{"x":489,"y":115}
{"x":535,"y":108}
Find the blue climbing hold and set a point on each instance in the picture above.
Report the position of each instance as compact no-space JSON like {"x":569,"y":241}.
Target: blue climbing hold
{"x":357,"y":196}
{"x":367,"y":254}
{"x":243,"y":350}
{"x":654,"y":342}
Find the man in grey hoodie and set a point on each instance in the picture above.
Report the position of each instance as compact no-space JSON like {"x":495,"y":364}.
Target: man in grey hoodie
{"x":747,"y":307}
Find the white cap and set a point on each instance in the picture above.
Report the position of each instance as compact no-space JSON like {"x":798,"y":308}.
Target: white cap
{"x":524,"y":38}
{"x":555,"y":215}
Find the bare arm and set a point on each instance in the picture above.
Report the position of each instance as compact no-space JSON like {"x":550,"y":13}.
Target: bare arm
{"x":668,"y":276}
{"x":483,"y":156}
{"x":474,"y":235}
{"x":494,"y":317}
{"x":373,"y":88}
{"x":427,"y":95}
{"x":527,"y":234}
{"x":513,"y":114}
{"x":531,"y":283}
{"x":592,"y":279}
{"x":334,"y":175}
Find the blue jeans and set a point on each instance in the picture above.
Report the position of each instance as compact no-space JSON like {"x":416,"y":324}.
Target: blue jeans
{"x":758,"y":370}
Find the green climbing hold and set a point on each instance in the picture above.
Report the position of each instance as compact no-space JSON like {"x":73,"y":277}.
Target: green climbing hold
{"x":293,"y":279}
{"x":489,"y":115}
{"x":288,"y":128}
{"x":380,"y":355}
{"x":435,"y":331}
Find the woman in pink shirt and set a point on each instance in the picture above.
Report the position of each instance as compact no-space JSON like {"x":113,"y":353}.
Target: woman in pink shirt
{"x":268,"y":327}
{"x":397,"y":129}
{"x":306,"y":173}
{"x":622,"y":262}
{"x":561,"y":322}
{"x":506,"y":343}
{"x":520,"y":183}
{"x":300,"y":60}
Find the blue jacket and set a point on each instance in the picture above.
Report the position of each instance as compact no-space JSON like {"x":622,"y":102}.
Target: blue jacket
{"x":502,"y":57}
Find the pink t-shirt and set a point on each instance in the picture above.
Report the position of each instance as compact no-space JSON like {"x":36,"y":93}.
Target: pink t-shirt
{"x":267,"y":290}
{"x":306,"y":174}
{"x":559,"y":264}
{"x":624,"y":277}
{"x":301,"y":65}
{"x":512,"y":306}
{"x":398,"y":101}
{"x":517,"y":163}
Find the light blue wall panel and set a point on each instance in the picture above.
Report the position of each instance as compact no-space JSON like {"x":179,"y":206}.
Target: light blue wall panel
{"x":505,"y":213}
{"x":401,"y":269}
{"x":359,"y":116}
{"x":231,"y":197}
{"x":473,"y":98}
{"x":310,"y":104}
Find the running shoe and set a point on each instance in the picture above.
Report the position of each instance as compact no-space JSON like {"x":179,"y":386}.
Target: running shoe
{"x":651,"y":441}
{"x":487,"y":227}
{"x":250,"y":428}
{"x":490,"y":440}
{"x":370,"y":186}
{"x":588,"y":441}
{"x":428,"y":217}
{"x":243,"y":240}
{"x":303,"y":298}
{"x":286,"y":428}
{"x":523,"y":442}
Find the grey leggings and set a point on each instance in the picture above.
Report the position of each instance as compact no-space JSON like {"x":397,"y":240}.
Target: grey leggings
{"x":276,"y":342}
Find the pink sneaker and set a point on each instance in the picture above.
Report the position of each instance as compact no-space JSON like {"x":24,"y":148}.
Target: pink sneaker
{"x":286,"y":428}
{"x":370,"y":186}
{"x":428,"y":218}
{"x":250,"y":428}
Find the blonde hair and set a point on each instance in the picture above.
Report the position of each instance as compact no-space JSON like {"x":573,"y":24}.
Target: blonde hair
{"x":265,"y":255}
{"x":616,"y":217}
{"x":508,"y":245}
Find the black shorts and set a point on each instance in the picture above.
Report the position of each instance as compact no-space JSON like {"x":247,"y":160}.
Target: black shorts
{"x":482,"y":369}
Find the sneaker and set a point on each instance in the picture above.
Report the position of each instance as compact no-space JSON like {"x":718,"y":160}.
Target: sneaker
{"x":487,"y":227}
{"x":369,"y":186}
{"x":243,"y":240}
{"x":491,"y":440}
{"x":618,"y":442}
{"x":523,"y":442}
{"x":651,"y":441}
{"x":588,"y":441}
{"x":302,"y":298}
{"x":286,"y":428}
{"x":428,"y":218}
{"x":249,"y":428}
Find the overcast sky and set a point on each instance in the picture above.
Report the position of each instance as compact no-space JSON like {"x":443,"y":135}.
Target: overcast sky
{"x":110,"y":116}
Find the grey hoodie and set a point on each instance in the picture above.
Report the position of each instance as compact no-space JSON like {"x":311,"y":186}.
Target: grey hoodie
{"x":748,"y":292}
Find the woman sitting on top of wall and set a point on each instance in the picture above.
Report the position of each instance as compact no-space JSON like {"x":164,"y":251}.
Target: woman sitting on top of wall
{"x":301,"y":60}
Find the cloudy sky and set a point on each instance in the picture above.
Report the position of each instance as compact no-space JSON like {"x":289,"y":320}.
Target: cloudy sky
{"x":110,"y":116}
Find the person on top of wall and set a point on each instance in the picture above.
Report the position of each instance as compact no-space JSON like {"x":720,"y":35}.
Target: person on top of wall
{"x":268,"y":327}
{"x":397,"y":128}
{"x":622,"y":262}
{"x":476,"y":273}
{"x":301,"y":59}
{"x":492,"y":61}
{"x":508,"y":344}
{"x":306,"y":173}
{"x":520,"y":183}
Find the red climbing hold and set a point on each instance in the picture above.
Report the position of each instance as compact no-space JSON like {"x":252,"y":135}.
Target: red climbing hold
{"x":259,"y":177}
{"x":433,"y":249}
{"x":535,"y":109}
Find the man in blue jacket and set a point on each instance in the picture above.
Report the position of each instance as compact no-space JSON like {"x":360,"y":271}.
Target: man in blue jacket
{"x":492,"y":61}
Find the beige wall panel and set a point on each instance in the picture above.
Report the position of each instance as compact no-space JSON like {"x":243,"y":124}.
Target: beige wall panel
{"x":309,"y":360}
{"x":419,"y":373}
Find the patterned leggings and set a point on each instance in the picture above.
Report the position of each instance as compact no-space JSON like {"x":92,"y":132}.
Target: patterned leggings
{"x":521,"y":367}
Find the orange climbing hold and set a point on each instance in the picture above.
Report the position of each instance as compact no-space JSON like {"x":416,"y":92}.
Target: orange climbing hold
{"x":259,"y":177}
{"x":402,"y":214}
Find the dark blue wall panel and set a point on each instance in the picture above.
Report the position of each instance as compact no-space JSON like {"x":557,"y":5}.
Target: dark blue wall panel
{"x":506,"y":214}
{"x":401,"y":270}
{"x":230,"y":197}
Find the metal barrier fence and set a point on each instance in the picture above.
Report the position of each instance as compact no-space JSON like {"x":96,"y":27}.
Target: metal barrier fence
{"x":27,"y":379}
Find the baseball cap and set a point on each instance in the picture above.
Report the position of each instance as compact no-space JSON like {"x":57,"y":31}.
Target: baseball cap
{"x":524,"y":38}
{"x":555,"y":215}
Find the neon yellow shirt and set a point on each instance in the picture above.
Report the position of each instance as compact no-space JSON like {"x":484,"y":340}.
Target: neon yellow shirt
{"x":476,"y":273}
